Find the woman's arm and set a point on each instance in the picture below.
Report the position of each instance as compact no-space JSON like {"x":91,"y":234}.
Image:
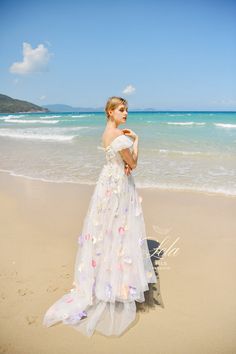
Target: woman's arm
{"x":131,"y":158}
{"x":135,"y":150}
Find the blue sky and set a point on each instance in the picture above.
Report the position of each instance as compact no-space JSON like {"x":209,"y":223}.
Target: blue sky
{"x":173,"y":55}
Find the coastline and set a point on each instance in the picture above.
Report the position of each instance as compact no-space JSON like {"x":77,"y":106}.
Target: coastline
{"x":40,"y":223}
{"x":139,"y":186}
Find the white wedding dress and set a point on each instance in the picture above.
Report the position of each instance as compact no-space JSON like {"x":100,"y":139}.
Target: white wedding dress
{"x":113,"y":265}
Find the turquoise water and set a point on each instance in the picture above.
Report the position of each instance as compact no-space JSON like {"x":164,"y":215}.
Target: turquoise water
{"x":177,"y":150}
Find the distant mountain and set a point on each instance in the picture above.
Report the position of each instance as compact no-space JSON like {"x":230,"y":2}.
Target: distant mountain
{"x":66,"y":108}
{"x":11,"y":105}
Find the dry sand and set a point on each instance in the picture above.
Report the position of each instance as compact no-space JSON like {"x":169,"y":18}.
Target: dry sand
{"x":40,"y":223}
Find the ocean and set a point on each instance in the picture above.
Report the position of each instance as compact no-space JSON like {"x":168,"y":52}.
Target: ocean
{"x":177,"y":150}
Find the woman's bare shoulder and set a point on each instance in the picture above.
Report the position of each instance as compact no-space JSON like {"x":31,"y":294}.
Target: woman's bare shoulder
{"x":110,"y":134}
{"x":117,"y":132}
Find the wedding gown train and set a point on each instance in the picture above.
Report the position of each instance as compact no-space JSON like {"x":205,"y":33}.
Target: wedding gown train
{"x":113,"y":268}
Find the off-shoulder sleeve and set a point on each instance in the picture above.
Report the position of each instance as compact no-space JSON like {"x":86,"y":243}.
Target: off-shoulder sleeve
{"x":122,"y":142}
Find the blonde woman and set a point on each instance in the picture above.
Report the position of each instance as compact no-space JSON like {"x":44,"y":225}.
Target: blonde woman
{"x":113,"y":266}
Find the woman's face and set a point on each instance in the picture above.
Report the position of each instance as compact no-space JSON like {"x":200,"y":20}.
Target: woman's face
{"x":119,"y":114}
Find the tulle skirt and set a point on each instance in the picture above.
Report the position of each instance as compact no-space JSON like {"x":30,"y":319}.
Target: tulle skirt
{"x":113,"y":269}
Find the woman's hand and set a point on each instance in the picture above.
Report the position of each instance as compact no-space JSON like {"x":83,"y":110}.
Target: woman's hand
{"x":128,"y":169}
{"x":130,"y":133}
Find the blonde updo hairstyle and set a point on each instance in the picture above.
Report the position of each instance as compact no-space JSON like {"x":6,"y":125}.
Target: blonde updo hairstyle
{"x":113,"y":102}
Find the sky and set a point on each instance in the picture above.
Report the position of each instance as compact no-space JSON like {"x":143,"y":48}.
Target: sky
{"x":161,"y":54}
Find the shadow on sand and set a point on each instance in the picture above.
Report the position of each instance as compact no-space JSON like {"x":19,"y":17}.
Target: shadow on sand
{"x":153,"y":294}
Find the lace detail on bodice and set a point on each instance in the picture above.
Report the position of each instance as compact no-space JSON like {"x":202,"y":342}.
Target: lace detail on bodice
{"x":113,"y":170}
{"x":112,"y":151}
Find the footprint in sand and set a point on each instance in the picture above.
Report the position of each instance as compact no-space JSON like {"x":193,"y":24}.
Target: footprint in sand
{"x":11,"y":274}
{"x":31,"y":319}
{"x":51,"y":289}
{"x":3,"y":297}
{"x":6,"y":349}
{"x":23,"y":292}
{"x":67,"y":275}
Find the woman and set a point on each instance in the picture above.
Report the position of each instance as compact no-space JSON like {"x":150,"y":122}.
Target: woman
{"x":113,"y":266}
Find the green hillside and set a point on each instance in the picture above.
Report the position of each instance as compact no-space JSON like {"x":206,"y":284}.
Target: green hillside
{"x":11,"y":105}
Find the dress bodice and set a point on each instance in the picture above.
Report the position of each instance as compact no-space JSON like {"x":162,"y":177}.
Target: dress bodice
{"x":113,"y":169}
{"x":112,"y":151}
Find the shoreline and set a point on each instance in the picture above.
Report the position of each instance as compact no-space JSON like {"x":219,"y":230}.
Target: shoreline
{"x":154,"y":189}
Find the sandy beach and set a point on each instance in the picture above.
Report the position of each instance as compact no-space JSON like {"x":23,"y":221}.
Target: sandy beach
{"x":40,"y":222}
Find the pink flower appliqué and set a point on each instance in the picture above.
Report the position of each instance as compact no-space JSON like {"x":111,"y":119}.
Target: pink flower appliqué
{"x":121,"y":230}
{"x":70,"y":299}
{"x":120,"y":266}
{"x":87,"y":236}
{"x":108,"y":192}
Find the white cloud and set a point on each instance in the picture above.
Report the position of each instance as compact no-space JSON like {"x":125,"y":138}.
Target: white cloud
{"x":129,"y":90}
{"x":42,"y":97}
{"x":34,"y":60}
